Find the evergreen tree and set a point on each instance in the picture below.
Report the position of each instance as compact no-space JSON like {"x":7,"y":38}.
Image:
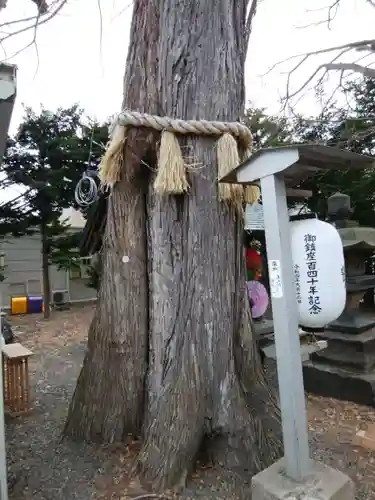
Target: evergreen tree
{"x":267,"y":130}
{"x":352,"y":129}
{"x":46,"y":159}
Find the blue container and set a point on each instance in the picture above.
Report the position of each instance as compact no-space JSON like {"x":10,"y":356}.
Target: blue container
{"x":34,"y":304}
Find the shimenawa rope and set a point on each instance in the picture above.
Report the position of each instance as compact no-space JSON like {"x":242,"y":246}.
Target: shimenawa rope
{"x":171,"y":174}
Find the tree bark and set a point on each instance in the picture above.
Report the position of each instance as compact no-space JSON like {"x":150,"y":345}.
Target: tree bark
{"x":45,"y":272}
{"x":108,"y":402}
{"x":198,"y":311}
{"x":171,"y":345}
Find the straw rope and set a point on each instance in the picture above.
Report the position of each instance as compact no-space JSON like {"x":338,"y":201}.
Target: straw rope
{"x":185,"y":127}
{"x":171,"y":178}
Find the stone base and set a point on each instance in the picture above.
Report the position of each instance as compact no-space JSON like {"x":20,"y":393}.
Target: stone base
{"x":360,"y":322}
{"x":335,"y":382}
{"x":324,"y":483}
{"x":352,"y":352}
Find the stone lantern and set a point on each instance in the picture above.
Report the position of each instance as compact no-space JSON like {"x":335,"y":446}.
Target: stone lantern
{"x":276,"y":169}
{"x":346,"y":368}
{"x":359,"y":245}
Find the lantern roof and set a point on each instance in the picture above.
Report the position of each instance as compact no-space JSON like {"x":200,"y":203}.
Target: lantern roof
{"x":360,"y":238}
{"x":297,"y":163}
{"x":8,"y":88}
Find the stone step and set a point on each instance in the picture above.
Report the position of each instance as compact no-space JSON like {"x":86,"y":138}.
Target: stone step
{"x":356,"y":361}
{"x":354,"y":352}
{"x":306,"y":349}
{"x":339,"y":383}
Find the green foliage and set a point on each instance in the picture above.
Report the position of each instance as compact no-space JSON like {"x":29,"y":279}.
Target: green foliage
{"x":268,"y":131}
{"x":64,"y":248}
{"x":46,"y":159}
{"x":352,"y":129}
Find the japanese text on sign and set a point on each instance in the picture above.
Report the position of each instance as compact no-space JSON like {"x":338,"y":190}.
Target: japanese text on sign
{"x":312,"y":274}
{"x":297,"y":276}
{"x":275,"y":278}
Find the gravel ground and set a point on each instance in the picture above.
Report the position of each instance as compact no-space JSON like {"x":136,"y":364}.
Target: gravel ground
{"x":332,"y":428}
{"x":41,"y":466}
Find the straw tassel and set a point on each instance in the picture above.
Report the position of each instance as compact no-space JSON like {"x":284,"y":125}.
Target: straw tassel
{"x":227,"y":160}
{"x":251,"y":193}
{"x":112,"y":162}
{"x":171,"y":176}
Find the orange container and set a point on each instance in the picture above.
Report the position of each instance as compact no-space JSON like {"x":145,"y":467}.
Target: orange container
{"x":18,"y":305}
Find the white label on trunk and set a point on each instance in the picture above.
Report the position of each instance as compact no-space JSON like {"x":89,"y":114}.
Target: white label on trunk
{"x":125,"y":259}
{"x":275,"y":279}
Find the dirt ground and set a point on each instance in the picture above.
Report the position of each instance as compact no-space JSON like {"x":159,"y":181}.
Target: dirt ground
{"x":44,"y":467}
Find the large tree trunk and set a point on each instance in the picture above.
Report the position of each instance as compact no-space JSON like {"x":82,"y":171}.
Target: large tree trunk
{"x":108,"y":402}
{"x":178,"y":308}
{"x":198,"y":311}
{"x":45,"y":272}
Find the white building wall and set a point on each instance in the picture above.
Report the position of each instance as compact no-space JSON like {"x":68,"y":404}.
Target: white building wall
{"x":23,"y":273}
{"x":23,"y":264}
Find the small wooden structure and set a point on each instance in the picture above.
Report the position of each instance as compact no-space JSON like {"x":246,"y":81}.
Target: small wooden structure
{"x":16,"y":379}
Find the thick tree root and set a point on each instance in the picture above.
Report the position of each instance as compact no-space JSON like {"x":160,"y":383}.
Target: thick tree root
{"x":227,"y":408}
{"x":248,"y":442}
{"x":257,"y":392}
{"x":175,"y":433}
{"x":102,"y":409}
{"x":93,"y":418}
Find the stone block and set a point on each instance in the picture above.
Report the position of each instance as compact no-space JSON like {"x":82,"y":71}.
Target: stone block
{"x":336,"y":382}
{"x":355,"y":352}
{"x":324,"y":483}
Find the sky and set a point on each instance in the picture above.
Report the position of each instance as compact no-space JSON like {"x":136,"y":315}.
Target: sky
{"x":79,"y":62}
{"x":81,"y":53}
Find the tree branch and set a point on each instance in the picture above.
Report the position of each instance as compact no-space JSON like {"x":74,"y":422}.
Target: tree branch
{"x":359,"y":45}
{"x":42,"y":6}
{"x":342,"y":59}
{"x":45,"y":14}
{"x":335,"y":64}
{"x":356,"y":68}
{"x":249,"y":22}
{"x":332,"y":11}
